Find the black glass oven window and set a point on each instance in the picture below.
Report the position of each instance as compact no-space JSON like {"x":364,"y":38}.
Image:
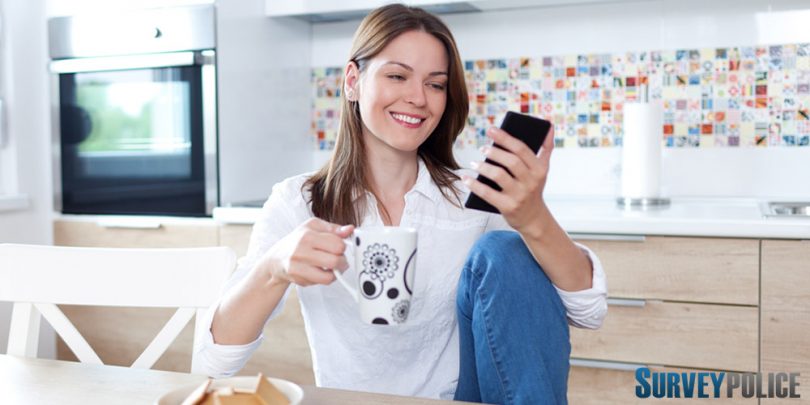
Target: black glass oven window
{"x":132,"y":143}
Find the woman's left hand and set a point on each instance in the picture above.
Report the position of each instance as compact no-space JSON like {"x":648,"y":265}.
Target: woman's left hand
{"x":521,"y":200}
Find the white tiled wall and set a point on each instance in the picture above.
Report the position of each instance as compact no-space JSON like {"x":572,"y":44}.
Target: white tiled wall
{"x":623,"y":26}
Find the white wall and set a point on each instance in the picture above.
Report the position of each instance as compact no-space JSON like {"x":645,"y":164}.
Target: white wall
{"x":263,"y":74}
{"x":631,"y":26}
{"x":25,"y":94}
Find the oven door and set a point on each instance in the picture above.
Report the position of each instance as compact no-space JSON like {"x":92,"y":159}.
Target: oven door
{"x":136,"y":134}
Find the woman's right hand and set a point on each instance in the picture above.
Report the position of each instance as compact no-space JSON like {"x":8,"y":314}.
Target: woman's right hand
{"x":308,"y":254}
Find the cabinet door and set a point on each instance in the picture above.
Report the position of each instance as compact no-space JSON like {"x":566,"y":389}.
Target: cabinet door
{"x":710,"y":270}
{"x":722,"y":337}
{"x":157,"y":235}
{"x":604,"y":386}
{"x":119,"y":334}
{"x":285,"y":351}
{"x":786,"y":312}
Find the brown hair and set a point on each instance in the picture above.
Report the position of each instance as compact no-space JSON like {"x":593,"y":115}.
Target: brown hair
{"x":343,"y":179}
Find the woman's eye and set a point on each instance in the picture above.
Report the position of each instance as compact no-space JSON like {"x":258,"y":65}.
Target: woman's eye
{"x":396,"y":77}
{"x":437,"y":86}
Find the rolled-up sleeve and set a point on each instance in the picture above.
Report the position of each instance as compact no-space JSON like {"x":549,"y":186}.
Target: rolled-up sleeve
{"x":587,"y":308}
{"x":281,"y":213}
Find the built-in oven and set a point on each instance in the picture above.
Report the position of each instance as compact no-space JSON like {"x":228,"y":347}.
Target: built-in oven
{"x":134,"y":112}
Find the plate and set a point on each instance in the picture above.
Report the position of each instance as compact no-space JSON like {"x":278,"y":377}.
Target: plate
{"x":292,"y":391}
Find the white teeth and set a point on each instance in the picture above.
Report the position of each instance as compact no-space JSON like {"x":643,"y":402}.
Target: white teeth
{"x":409,"y":120}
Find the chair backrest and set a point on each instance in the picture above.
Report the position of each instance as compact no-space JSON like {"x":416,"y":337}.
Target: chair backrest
{"x":38,"y":278}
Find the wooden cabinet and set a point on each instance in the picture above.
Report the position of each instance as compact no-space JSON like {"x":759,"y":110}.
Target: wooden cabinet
{"x":675,"y":334}
{"x":704,"y":270}
{"x":676,"y":302}
{"x":147,"y":233}
{"x":786,"y":313}
{"x":599,"y":386}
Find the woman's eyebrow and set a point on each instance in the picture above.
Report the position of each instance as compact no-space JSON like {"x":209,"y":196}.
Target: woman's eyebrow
{"x":410,"y":69}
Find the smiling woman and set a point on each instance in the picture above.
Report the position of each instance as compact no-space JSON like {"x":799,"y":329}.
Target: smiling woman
{"x":486,"y":316}
{"x":404,"y":73}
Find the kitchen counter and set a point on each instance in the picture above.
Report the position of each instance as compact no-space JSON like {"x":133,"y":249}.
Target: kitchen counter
{"x":720,"y":217}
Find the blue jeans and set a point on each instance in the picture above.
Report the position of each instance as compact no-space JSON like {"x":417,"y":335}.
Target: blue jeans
{"x":513,"y":330}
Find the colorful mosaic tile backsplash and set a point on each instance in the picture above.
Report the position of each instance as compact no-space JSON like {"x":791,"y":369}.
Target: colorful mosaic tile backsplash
{"x":721,"y":97}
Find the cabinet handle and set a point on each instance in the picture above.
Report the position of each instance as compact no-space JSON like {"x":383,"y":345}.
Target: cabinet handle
{"x":607,"y":236}
{"x":129,"y":223}
{"x":607,"y":365}
{"x":626,"y":302}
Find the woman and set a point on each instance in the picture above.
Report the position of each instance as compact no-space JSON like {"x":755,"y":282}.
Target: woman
{"x":488,"y":319}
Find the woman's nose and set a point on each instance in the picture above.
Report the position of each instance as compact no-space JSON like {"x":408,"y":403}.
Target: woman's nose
{"x":416,"y":94}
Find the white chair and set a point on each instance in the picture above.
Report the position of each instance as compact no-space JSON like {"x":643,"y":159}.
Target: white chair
{"x":37,"y":278}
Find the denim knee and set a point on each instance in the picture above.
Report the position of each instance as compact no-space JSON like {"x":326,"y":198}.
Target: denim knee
{"x":501,"y":259}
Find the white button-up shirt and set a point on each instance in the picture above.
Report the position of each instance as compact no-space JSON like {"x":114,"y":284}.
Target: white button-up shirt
{"x":417,"y":358}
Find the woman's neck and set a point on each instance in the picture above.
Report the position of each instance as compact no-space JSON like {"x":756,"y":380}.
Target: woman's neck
{"x":391,"y":174}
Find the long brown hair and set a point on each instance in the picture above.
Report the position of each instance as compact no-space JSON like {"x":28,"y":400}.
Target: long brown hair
{"x":336,"y":186}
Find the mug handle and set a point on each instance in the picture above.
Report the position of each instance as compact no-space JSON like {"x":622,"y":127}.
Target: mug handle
{"x":339,"y":275}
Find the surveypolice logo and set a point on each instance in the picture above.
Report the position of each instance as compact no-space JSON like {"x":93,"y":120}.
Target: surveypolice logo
{"x":715,"y":384}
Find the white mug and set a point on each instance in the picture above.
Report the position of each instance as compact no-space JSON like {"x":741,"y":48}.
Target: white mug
{"x":385,"y":260}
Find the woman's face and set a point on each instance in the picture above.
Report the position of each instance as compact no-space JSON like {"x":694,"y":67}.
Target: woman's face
{"x":403,"y":92}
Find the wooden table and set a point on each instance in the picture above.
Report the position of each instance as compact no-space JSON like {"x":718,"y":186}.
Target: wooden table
{"x":39,"y":381}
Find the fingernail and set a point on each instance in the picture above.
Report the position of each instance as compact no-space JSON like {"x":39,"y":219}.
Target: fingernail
{"x":491,"y":130}
{"x":344,"y":228}
{"x":466,"y":180}
{"x":474,"y":164}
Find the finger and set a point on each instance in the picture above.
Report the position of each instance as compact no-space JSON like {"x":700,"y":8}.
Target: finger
{"x":326,"y":260}
{"x":539,"y":166}
{"x":513,"y":164}
{"x":548,"y":146}
{"x":497,"y":174}
{"x":512,"y":144}
{"x":488,"y":194}
{"x":326,"y":241}
{"x":317,"y":224}
{"x":309,"y":275}
{"x":345,"y":231}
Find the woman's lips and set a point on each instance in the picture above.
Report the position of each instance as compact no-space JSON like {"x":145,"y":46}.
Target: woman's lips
{"x":408,"y":121}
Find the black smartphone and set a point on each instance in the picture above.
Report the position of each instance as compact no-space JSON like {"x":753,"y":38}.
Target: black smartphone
{"x":532,"y":131}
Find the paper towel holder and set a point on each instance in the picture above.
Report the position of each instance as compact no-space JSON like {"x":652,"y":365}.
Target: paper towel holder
{"x":643,"y":204}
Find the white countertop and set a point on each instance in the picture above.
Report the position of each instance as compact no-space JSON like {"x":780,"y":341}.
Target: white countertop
{"x":725,"y":217}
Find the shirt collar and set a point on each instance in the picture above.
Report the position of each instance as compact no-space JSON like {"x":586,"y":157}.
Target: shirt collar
{"x":424,"y":183}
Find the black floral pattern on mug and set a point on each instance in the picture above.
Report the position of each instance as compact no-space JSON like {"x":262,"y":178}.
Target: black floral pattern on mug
{"x":400,"y":311}
{"x":380,"y":261}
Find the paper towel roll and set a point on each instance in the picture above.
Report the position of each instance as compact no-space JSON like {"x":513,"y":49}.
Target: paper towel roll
{"x":641,"y":150}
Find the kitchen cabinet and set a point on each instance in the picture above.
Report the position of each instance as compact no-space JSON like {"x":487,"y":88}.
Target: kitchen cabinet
{"x":120,"y":334}
{"x":598,"y":385}
{"x":786,"y":312}
{"x":680,"y":302}
{"x":676,"y":303}
{"x":135,"y":232}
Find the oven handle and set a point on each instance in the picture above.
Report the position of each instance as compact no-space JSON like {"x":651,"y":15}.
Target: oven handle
{"x":125,"y":62}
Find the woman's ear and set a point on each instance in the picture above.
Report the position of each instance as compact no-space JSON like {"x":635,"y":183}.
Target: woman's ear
{"x":351,"y":81}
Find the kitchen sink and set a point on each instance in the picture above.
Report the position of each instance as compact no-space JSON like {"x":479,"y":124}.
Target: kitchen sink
{"x":786,"y":209}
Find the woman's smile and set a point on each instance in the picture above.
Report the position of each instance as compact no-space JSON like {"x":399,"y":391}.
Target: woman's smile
{"x":408,"y":120}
